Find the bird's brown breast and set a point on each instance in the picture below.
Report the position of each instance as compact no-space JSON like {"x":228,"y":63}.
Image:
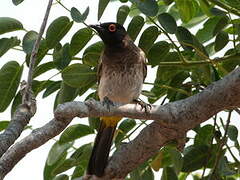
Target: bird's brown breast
{"x":121,"y":76}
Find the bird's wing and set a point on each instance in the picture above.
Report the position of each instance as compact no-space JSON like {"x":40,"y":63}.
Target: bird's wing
{"x":99,"y":71}
{"x":144,"y":62}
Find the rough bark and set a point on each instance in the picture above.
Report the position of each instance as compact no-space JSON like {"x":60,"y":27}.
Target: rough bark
{"x":171,"y":122}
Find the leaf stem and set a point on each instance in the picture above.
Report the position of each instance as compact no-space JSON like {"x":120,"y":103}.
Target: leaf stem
{"x":59,"y":2}
{"x":226,"y":7}
{"x":27,"y":97}
{"x":170,"y":88}
{"x":221,"y":144}
{"x":204,"y":62}
{"x":166,"y":34}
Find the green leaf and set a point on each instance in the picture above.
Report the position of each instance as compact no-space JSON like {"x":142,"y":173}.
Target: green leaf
{"x":61,"y":177}
{"x":149,"y":7}
{"x":202,"y":74}
{"x":195,"y":21}
{"x":223,"y":21}
{"x":223,"y":167}
{"x":135,"y":27}
{"x":195,"y":158}
{"x":8,"y":43}
{"x":28,"y":41}
{"x":176,"y":158}
{"x":77,"y":16}
{"x":80,"y":39}
{"x":94,"y":122}
{"x":81,"y":155}
{"x":92,"y":54}
{"x":3,"y":125}
{"x":200,"y":50}
{"x":51,"y":88}
{"x":232,"y":133}
{"x":134,"y":11}
{"x":56,"y":152}
{"x":62,"y":57}
{"x":75,"y":132}
{"x":10,"y":75}
{"x":168,"y":2}
{"x":156,"y":162}
{"x":147,"y":38}
{"x":122,"y":14}
{"x":88,"y":85}
{"x":48,"y":169}
{"x":83,"y":152}
{"x":17,"y":2}
{"x":164,"y":76}
{"x":39,"y":86}
{"x":210,"y":28}
{"x":204,"y":135}
{"x":43,"y":68}
{"x":57,"y":30}
{"x":124,"y":128}
{"x":78,"y":75}
{"x":138,"y":172}
{"x":205,"y":7}
{"x":221,"y":40}
{"x":187,"y":9}
{"x":17,"y":101}
{"x":65,"y":165}
{"x":167,"y":22}
{"x":232,"y":63}
{"x":42,"y":51}
{"x":102,"y":4}
{"x":66,"y":94}
{"x":183,"y":176}
{"x":217,"y":12}
{"x":157,"y":52}
{"x":184,"y":37}
{"x":148,"y":174}
{"x":8,"y":24}
{"x":169,"y":174}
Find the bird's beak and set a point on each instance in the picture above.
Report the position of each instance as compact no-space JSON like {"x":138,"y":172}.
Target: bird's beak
{"x":97,"y":27}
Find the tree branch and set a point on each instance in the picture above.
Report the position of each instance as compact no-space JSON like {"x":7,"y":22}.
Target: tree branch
{"x":171,"y":122}
{"x":28,"y":108}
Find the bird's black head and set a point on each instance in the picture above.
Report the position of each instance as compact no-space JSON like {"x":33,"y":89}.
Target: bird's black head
{"x":111,"y":33}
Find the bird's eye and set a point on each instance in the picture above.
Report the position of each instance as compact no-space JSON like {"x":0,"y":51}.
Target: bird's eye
{"x":112,"y":28}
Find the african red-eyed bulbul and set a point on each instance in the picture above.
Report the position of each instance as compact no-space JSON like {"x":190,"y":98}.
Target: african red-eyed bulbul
{"x":121,"y":72}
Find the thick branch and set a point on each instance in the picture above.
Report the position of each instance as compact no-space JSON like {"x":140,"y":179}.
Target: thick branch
{"x":34,"y":140}
{"x":19,"y":121}
{"x":171,"y":122}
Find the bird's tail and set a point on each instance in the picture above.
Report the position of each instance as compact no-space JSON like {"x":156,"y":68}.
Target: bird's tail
{"x":102,"y":145}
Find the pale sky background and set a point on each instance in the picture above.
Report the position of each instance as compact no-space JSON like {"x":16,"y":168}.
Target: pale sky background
{"x":31,"y":13}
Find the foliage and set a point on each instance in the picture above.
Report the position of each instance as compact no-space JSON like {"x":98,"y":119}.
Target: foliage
{"x":166,"y":31}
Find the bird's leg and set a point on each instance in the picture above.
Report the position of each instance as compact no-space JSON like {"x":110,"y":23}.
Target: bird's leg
{"x":106,"y":101}
{"x":147,"y":107}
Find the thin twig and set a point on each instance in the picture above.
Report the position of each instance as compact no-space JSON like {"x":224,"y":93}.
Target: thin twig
{"x":182,"y":91}
{"x":222,"y":143}
{"x":26,"y":97}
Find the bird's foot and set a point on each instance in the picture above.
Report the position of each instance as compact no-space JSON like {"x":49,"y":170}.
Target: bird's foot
{"x":147,"y":107}
{"x":107,"y":102}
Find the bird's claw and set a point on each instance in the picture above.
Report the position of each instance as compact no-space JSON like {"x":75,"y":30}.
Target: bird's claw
{"x":107,"y":102}
{"x":147,"y":107}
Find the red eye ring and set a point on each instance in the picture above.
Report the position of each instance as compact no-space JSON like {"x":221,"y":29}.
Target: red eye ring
{"x":112,"y":28}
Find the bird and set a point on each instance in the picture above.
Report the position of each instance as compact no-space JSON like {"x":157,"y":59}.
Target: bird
{"x":121,"y":72}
